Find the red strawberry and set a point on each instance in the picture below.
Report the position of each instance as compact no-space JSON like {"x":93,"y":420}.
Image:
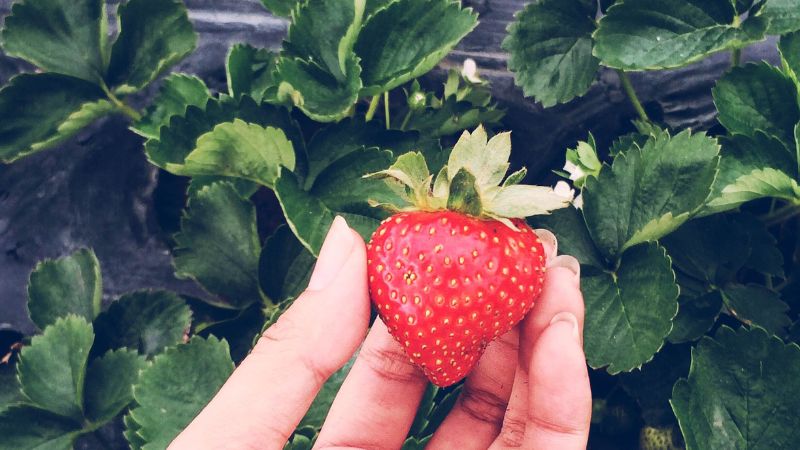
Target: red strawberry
{"x":459,"y":267}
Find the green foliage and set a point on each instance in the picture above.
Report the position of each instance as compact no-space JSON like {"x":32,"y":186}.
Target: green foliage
{"x":739,"y":392}
{"x":218,"y":246}
{"x":175,"y":387}
{"x":70,"y":285}
{"x":109,"y":383}
{"x":30,"y":427}
{"x":250,"y":71}
{"x":550,"y":46}
{"x":178,"y":92}
{"x":285,"y":266}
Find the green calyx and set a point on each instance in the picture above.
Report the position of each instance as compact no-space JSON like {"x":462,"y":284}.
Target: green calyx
{"x":470,"y":183}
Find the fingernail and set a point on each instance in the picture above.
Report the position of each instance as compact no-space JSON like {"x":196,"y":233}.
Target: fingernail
{"x":567,"y":262}
{"x":549,"y":242}
{"x":335,"y":250}
{"x":567,"y":317}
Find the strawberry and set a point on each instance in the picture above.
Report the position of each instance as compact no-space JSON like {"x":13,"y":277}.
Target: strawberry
{"x":457,"y":267}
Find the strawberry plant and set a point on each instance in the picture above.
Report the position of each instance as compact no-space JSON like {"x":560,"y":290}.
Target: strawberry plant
{"x":687,"y":239}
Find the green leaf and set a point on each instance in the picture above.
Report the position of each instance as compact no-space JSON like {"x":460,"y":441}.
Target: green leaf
{"x":39,"y":111}
{"x":62,"y":36}
{"x":568,"y":226}
{"x":453,"y":116}
{"x":109,"y":384}
{"x":240,"y":150}
{"x":407,"y":39}
{"x":651,"y":386}
{"x":629,"y":313}
{"x":711,"y":249}
{"x":783,"y":15}
{"x":696,"y":315}
{"x":343,"y":191}
{"x":550,"y":46}
{"x":154,"y":35}
{"x":464,"y":196}
{"x":176,"y":386}
{"x":218,"y":245}
{"x":648,"y":35}
{"x":740,"y":393}
{"x":323,"y":32}
{"x":250,"y":71}
{"x":52,"y":369}
{"x":743,"y":160}
{"x":177,"y":140}
{"x":145,"y":321}
{"x":131,"y":432}
{"x":486,"y":159}
{"x":757,"y":304}
{"x":648,"y":193}
{"x":350,"y":135}
{"x":69,"y":285}
{"x":245,"y":188}
{"x":26,"y":427}
{"x":757,"y":97}
{"x":285,"y":266}
{"x":757,"y":184}
{"x":317,"y":93}
{"x":177,"y":93}
{"x":319,"y":408}
{"x":789,"y":47}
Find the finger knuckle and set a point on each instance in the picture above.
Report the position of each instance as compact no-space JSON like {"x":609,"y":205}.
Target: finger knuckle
{"x":513,"y":432}
{"x":483,"y":405}
{"x":390,"y":365}
{"x":561,"y":425}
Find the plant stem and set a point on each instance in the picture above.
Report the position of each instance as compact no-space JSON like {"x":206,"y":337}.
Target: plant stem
{"x":121,"y":106}
{"x":781,"y":215}
{"x":628,"y":87}
{"x":386,"y":109}
{"x":405,"y":120}
{"x":373,"y":106}
{"x":736,"y":57}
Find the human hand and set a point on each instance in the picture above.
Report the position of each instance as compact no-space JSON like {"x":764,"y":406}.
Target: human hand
{"x":530,"y":389}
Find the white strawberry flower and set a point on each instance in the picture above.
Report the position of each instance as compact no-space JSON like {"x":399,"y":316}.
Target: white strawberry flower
{"x":563,"y":190}
{"x":470,"y":71}
{"x":574,"y":171}
{"x":578,"y":202}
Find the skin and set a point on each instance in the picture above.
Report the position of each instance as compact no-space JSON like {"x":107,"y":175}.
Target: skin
{"x":530,"y":389}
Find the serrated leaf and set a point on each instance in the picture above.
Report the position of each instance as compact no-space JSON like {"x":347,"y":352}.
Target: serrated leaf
{"x":629,"y":314}
{"x":755,"y":304}
{"x":783,"y":15}
{"x":109,"y":384}
{"x":789,"y":47}
{"x":648,"y":193}
{"x":550,"y":50}
{"x":61,"y":36}
{"x":239,"y":150}
{"x":69,"y":285}
{"x":522,"y":200}
{"x":218,"y":245}
{"x":317,"y":93}
{"x":52,"y":369}
{"x":744,"y":159}
{"x":177,"y":93}
{"x":758,"y":184}
{"x":568,"y":226}
{"x":250,"y":71}
{"x":739,"y":393}
{"x":154,"y":35}
{"x":758,"y":97}
{"x":176,"y":386}
{"x":177,"y":140}
{"x":39,"y":111}
{"x":408,"y":38}
{"x":651,"y":385}
{"x":131,"y":432}
{"x":647,"y":35}
{"x":285,"y":266}
{"x":486,"y":159}
{"x":339,"y":140}
{"x":10,"y":393}
{"x":323,"y":32}
{"x":310,"y":218}
{"x":696,"y":315}
{"x":27,"y":427}
{"x":245,"y":188}
{"x":145,"y":321}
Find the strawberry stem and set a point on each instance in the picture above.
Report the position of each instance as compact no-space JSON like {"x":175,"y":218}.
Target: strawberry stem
{"x":373,"y":106}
